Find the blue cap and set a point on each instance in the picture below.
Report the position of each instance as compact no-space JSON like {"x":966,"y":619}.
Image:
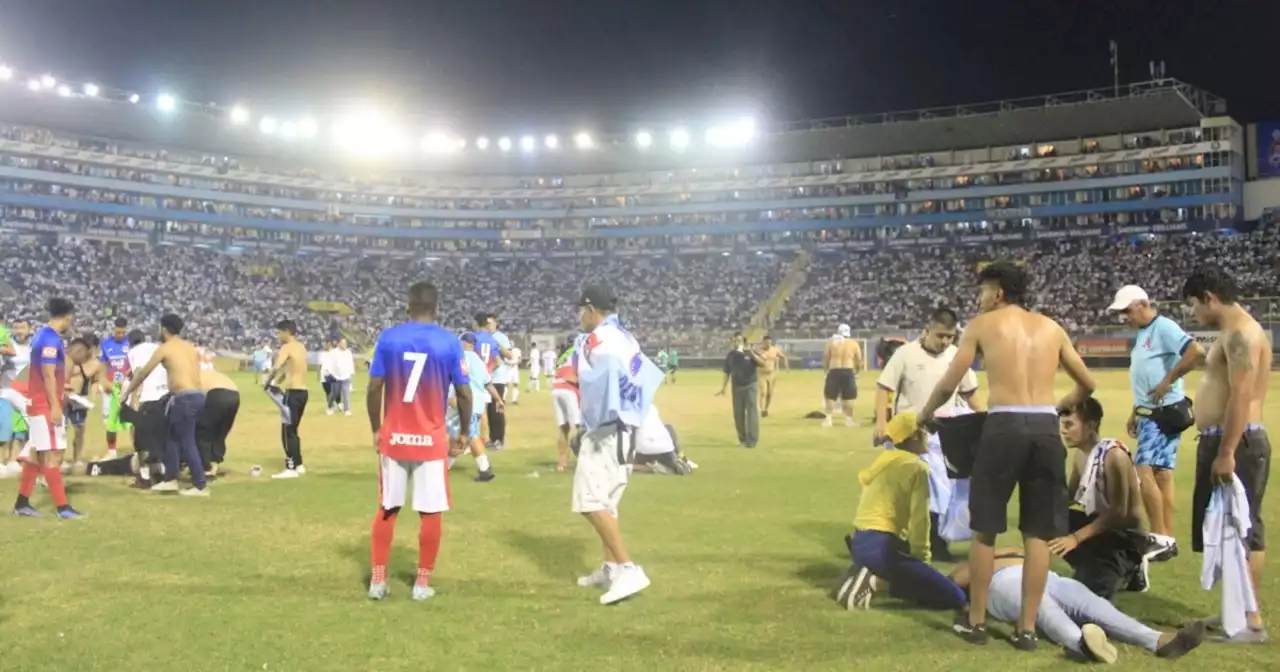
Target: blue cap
{"x":468,"y":338}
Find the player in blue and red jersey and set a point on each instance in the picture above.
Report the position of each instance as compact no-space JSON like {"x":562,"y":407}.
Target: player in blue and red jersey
{"x":115,"y":357}
{"x":46,"y":379}
{"x":414,"y":364}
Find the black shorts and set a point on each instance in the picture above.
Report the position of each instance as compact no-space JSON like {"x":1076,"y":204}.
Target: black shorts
{"x":1023,"y":450}
{"x":1105,"y":563}
{"x":1253,"y":466}
{"x":840,"y":385}
{"x":75,"y":415}
{"x":150,"y":429}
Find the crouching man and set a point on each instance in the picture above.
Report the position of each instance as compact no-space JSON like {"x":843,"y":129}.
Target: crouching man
{"x":890,"y":541}
{"x":657,"y":451}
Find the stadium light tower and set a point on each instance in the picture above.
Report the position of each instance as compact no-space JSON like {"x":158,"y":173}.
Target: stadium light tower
{"x":91,"y":90}
{"x":482,"y":143}
{"x":308,"y":128}
{"x":504,"y":143}
{"x":134,"y":98}
{"x":267,"y":125}
{"x":239,"y":115}
{"x":644,"y":139}
{"x":166,"y":102}
{"x":679,"y":139}
{"x":48,"y":81}
{"x":64,"y":91}
{"x":6,"y":73}
{"x":552,"y":142}
{"x":527,"y":143}
{"x":583,"y":141}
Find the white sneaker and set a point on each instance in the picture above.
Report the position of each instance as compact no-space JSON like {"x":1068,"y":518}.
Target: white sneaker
{"x":287,"y":473}
{"x":626,"y":583}
{"x":600,"y":578}
{"x":826,"y":422}
{"x":165,"y":486}
{"x":14,"y":468}
{"x":328,"y":411}
{"x":850,"y":422}
{"x":301,"y":469}
{"x":348,"y":414}
{"x":195,"y":492}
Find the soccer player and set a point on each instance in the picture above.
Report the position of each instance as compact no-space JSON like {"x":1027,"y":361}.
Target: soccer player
{"x":481,"y":387}
{"x":617,"y":383}
{"x":48,"y":437}
{"x":181,"y":364}
{"x":291,"y":370}
{"x":513,"y":374}
{"x":549,"y":360}
{"x":414,"y":363}
{"x":841,"y":361}
{"x":491,"y":353}
{"x":535,"y":368}
{"x":115,"y":356}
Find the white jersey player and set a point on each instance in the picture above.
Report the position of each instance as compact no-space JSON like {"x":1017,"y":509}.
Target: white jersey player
{"x":535,"y":368}
{"x":512,"y":363}
{"x":549,"y":361}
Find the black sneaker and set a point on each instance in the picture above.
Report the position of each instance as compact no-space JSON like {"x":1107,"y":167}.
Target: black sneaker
{"x":1140,"y":579}
{"x":1023,"y":640}
{"x":969,"y":632}
{"x":1184,"y":641}
{"x":484,"y":476}
{"x":854,"y":588}
{"x":764,"y":414}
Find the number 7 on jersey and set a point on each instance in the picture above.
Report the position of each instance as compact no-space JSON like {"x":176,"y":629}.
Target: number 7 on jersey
{"x":419,"y":360}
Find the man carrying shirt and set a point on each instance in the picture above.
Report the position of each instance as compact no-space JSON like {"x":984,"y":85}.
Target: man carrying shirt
{"x":115,"y":357}
{"x":46,"y":379}
{"x":481,"y":387}
{"x":1162,"y":354}
{"x":617,"y":383}
{"x":414,"y":363}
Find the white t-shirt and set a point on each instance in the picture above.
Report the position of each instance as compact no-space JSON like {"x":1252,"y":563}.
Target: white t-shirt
{"x":17,"y":363}
{"x":548,"y":361}
{"x":502,"y":375}
{"x":342,"y":364}
{"x":653,"y":438}
{"x":912,"y":373}
{"x":157,"y":384}
{"x":535,"y":359}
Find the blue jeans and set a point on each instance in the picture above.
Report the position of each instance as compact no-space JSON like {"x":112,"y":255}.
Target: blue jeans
{"x":909,"y":579}
{"x":1067,"y":603}
{"x":180,"y":443}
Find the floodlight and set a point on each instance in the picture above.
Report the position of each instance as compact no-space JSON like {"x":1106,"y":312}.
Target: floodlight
{"x":239,"y":115}
{"x":308,"y":128}
{"x":90,"y":90}
{"x":166,"y":102}
{"x":48,"y":81}
{"x":551,"y":141}
{"x":134,"y":98}
{"x":439,"y":143}
{"x":504,"y":143}
{"x":482,"y":143}
{"x":527,"y":143}
{"x":268,"y":125}
{"x":644,"y":139}
{"x":583,"y":141}
{"x":64,"y":91}
{"x":6,"y":73}
{"x":288,"y":130}
{"x":33,"y":84}
{"x":462,"y":143}
{"x":679,"y":139}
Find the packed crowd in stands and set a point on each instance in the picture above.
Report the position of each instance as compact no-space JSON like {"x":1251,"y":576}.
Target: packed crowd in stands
{"x":233,"y":301}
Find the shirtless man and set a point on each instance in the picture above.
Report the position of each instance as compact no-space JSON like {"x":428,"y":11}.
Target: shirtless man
{"x":221,"y":404}
{"x":80,"y":379}
{"x":181,"y":363}
{"x":1020,"y":445}
{"x":770,"y":356}
{"x":1229,"y":416}
{"x":841,"y":361}
{"x":291,"y":370}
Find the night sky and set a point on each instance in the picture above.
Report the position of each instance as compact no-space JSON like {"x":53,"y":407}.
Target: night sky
{"x":605,"y":64}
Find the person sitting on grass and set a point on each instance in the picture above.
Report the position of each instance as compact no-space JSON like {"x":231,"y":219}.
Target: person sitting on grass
{"x":1106,"y":546}
{"x":1073,"y":617}
{"x":890,"y":541}
{"x":657,"y":451}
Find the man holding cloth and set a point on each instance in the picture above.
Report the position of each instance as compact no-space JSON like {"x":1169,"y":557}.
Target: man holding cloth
{"x":740,"y":366}
{"x":617,"y":383}
{"x":1162,"y":354}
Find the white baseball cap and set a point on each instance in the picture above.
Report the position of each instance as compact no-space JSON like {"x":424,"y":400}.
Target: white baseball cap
{"x":843,"y":330}
{"x":1127,"y":296}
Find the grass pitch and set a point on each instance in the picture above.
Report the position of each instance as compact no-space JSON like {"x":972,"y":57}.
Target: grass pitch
{"x":271,"y":575}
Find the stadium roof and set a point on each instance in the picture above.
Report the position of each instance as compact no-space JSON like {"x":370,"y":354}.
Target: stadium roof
{"x":163,"y":121}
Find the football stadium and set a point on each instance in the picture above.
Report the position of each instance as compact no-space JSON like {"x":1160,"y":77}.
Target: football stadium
{"x":742,"y":254}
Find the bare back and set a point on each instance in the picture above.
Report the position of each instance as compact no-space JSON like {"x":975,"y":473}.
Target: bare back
{"x":181,"y":363}
{"x":1242,"y":347}
{"x":1020,"y":352}
{"x":212,"y":379}
{"x":294,"y":356}
{"x":844,"y":353}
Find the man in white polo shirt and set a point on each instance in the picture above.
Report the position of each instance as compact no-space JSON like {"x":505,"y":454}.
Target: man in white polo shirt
{"x":149,"y":425}
{"x":906,"y":382}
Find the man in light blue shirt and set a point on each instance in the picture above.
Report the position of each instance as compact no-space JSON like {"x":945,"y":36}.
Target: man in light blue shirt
{"x":1162,"y":354}
{"x":481,"y":390}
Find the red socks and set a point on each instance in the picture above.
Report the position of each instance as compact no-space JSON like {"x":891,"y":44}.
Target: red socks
{"x":111,"y":442}
{"x":384,"y":530}
{"x":53,"y":476}
{"x":428,"y":546}
{"x":30,"y":471}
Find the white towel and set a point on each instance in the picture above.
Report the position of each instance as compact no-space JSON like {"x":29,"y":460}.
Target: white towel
{"x":1226,"y":525}
{"x":1089,"y":492}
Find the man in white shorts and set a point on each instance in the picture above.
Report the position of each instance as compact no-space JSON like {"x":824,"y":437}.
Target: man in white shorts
{"x":535,"y":368}
{"x":617,"y":383}
{"x":513,"y":375}
{"x":565,"y":398}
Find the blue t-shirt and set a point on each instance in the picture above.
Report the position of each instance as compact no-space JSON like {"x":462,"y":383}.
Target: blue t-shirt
{"x":419,"y":362}
{"x":480,"y":377}
{"x":1156,"y":350}
{"x":115,"y":354}
{"x":487,"y":348}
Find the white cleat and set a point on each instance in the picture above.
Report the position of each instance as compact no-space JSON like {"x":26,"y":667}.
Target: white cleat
{"x":378,"y":591}
{"x":286,"y":474}
{"x":165,"y":486}
{"x":421,"y":593}
{"x":626,"y":583}
{"x":600,"y":578}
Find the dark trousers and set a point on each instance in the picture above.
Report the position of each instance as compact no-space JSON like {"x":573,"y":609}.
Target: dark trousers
{"x":910,"y":579}
{"x":180,"y":444}
{"x":1105,"y":563}
{"x":497,"y":421}
{"x":746,"y":414}
{"x":332,"y":393}
{"x":296,"y":402}
{"x":214,"y":424}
